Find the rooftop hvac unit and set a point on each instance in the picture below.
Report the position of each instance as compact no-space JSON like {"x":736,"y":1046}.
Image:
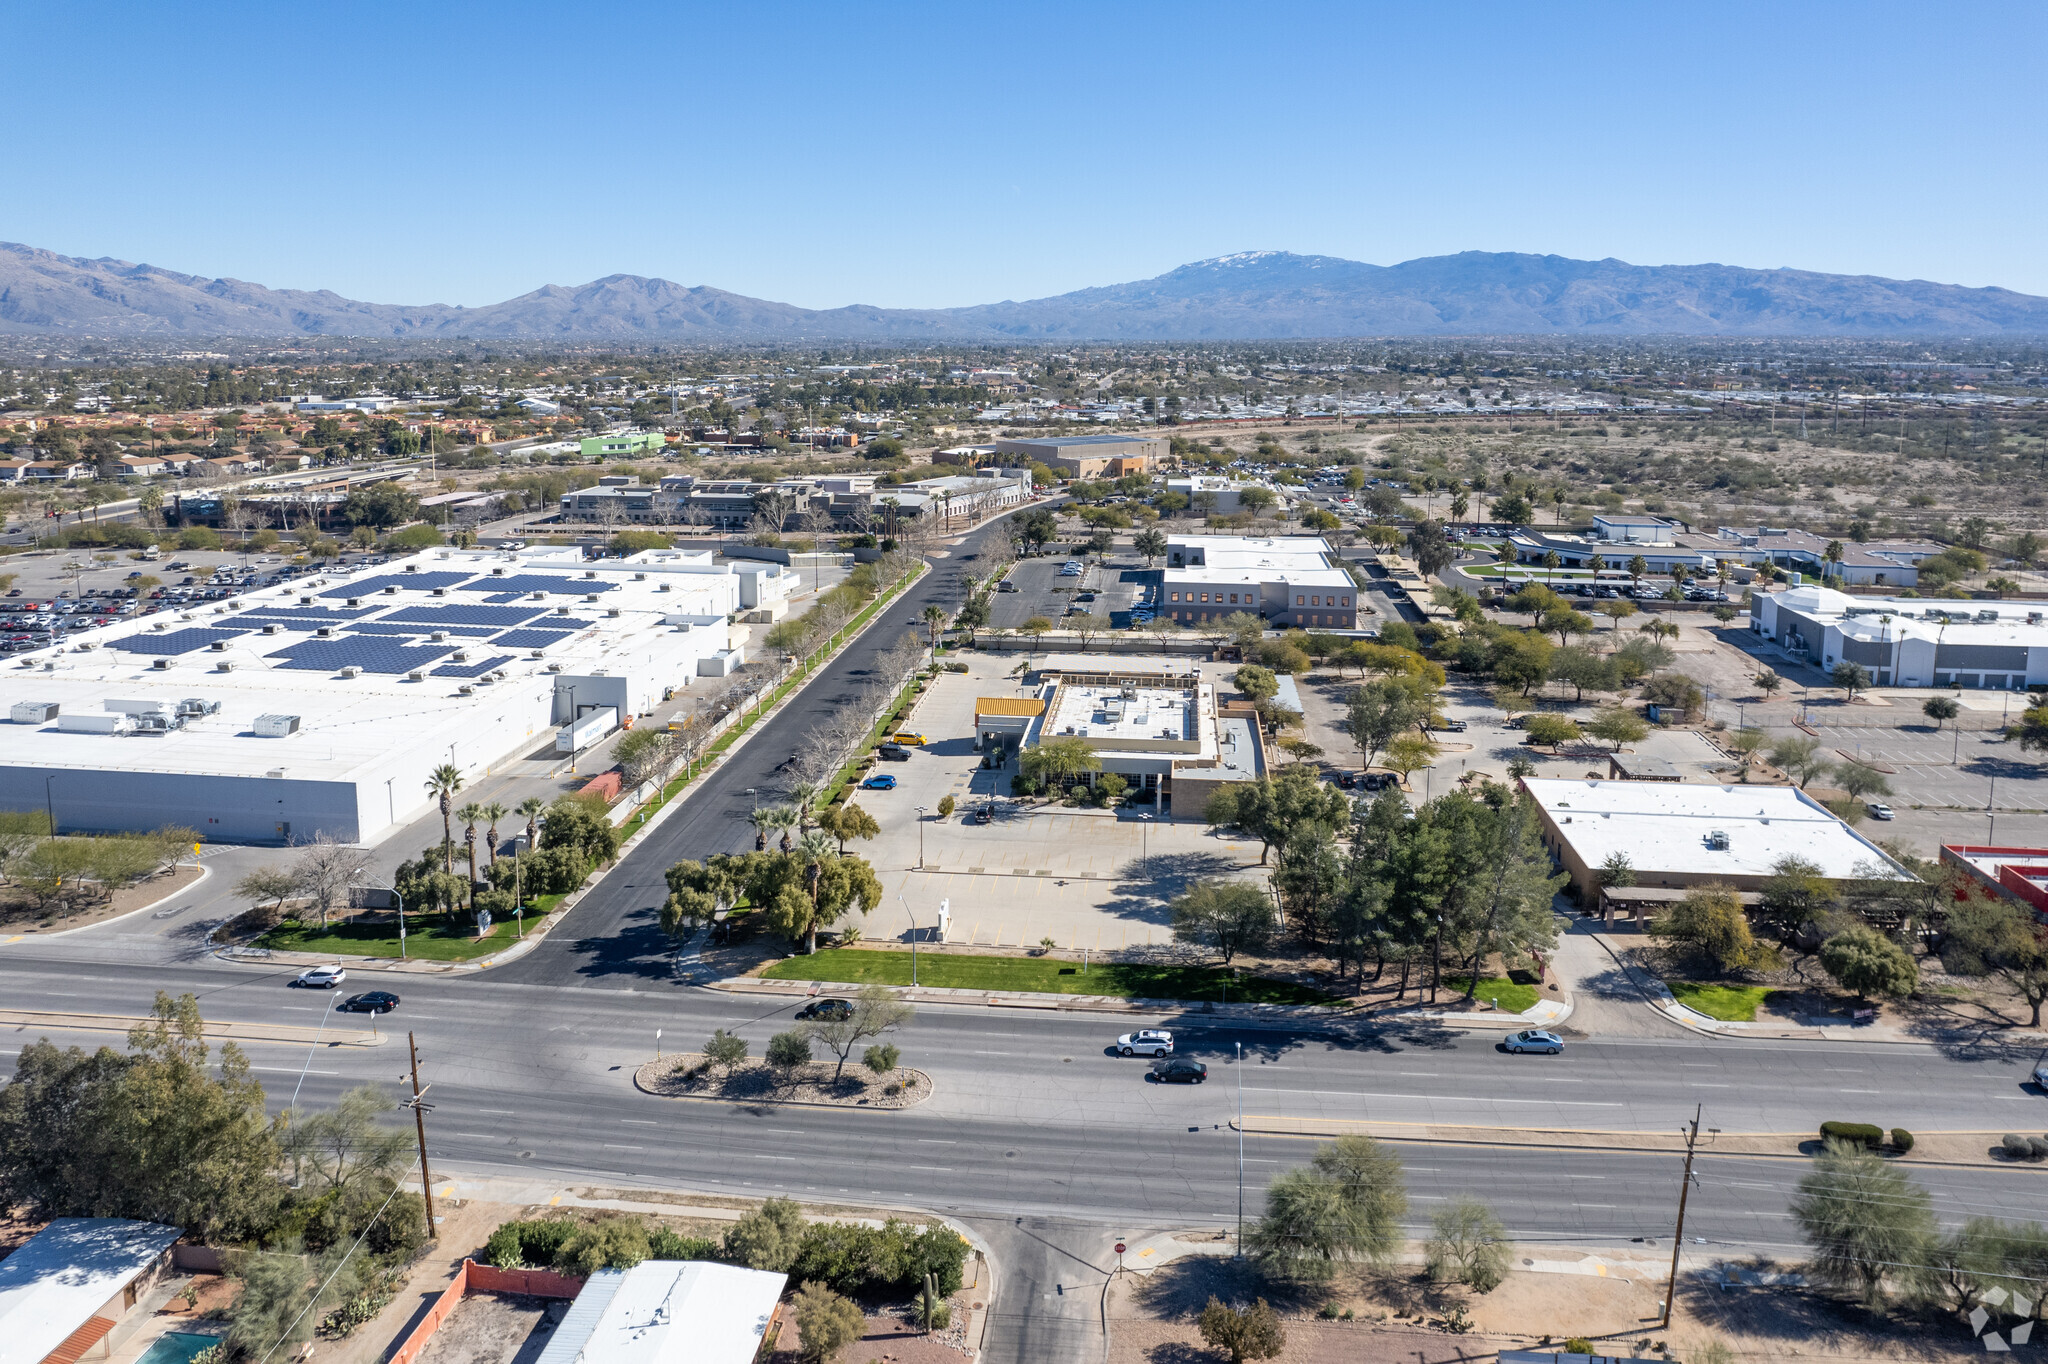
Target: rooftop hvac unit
{"x":276,"y":726}
{"x":2033,"y":617}
{"x":465,"y":690}
{"x":639,"y":577}
{"x":324,"y":631}
{"x":93,"y":724}
{"x":416,"y":675}
{"x":162,"y":665}
{"x":462,"y":655}
{"x":159,"y":625}
{"x":561,"y":610}
{"x":412,"y":568}
{"x":590,"y":573}
{"x":355,"y":601}
{"x":226,"y":665}
{"x":440,"y":591}
{"x":536,"y":653}
{"x":352,"y":670}
{"x":497,"y":573}
{"x":219,"y":646}
{"x":539,"y":595}
{"x":590,"y":596}
{"x":33,"y":712}
{"x":198,"y":705}
{"x":391,"y":591}
{"x":661,"y":587}
{"x":85,"y":646}
{"x":439,"y":636}
{"x":270,"y":629}
{"x":554,"y":667}
{"x":613,"y":612}
{"x":275,"y":773}
{"x":305,"y":601}
{"x":1717,"y":841}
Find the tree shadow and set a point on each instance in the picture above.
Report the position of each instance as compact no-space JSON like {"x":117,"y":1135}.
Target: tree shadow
{"x":1148,"y":885}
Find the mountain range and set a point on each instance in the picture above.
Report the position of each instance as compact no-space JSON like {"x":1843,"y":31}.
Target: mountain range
{"x":1247,"y":296}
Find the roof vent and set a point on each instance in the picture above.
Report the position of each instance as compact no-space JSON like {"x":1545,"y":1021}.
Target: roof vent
{"x":590,"y":573}
{"x":462,"y":655}
{"x":536,"y":653}
{"x":613,"y":612}
{"x":554,"y":667}
{"x":305,"y":600}
{"x":416,"y":675}
{"x":392,"y":590}
{"x":439,"y":636}
{"x":270,"y":629}
{"x":412,"y":568}
{"x":538,"y":595}
{"x":352,"y":670}
{"x":497,"y":573}
{"x":355,"y":601}
{"x":661,"y":587}
{"x":590,"y":596}
{"x":440,"y":591}
{"x":158,"y":625}
{"x":639,"y":577}
{"x":162,"y":665}
{"x":324,"y":631}
{"x":465,"y":691}
{"x":1717,"y":841}
{"x":226,"y":665}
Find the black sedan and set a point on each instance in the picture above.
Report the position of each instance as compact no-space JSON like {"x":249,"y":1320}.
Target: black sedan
{"x":1180,"y":1070}
{"x":370,"y":1002}
{"x":826,"y":1008}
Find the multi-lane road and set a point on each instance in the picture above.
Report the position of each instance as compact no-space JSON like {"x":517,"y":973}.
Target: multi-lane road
{"x":1032,"y":1118}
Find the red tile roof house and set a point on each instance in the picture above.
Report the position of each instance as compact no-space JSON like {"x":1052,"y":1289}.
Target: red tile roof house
{"x":72,"y":1290}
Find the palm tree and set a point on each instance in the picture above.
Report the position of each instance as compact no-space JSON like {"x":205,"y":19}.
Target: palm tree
{"x":471,"y":815}
{"x":764,"y":818}
{"x":801,"y":795}
{"x":784,"y":818}
{"x":531,"y":808}
{"x":815,"y":848}
{"x":442,"y":783}
{"x":492,"y":814}
{"x":934,"y":621}
{"x":1557,"y":499}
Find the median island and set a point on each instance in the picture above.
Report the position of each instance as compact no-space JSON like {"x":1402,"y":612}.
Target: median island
{"x":1043,"y":975}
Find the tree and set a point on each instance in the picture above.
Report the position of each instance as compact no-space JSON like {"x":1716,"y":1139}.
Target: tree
{"x":495,"y":811}
{"x":1431,"y":548}
{"x":1410,"y":753}
{"x":825,"y":1322}
{"x":1618,"y":725}
{"x":1275,"y":809}
{"x":471,"y":815}
{"x":1580,"y":668}
{"x":1149,"y":542}
{"x":1992,"y":935}
{"x":150,"y":1134}
{"x":1860,"y":780}
{"x":1255,"y":682}
{"x":934,"y":618}
{"x":346,"y":1148}
{"x":875,"y":1011}
{"x":1035,"y":627}
{"x":1378,"y":711}
{"x":1467,"y":1244}
{"x":1746,"y":742}
{"x":1053,"y":762}
{"x":1254,"y":1333}
{"x":442,"y":784}
{"x":847,"y":822}
{"x":324,"y":871}
{"x":1617,"y":872}
{"x":1346,"y":1205}
{"x":1796,"y":894}
{"x":1850,"y":677}
{"x":766,"y":1237}
{"x":2032,"y":729}
{"x":1799,"y":756}
{"x":788,"y":1052}
{"x":1566,"y":622}
{"x":1551,"y":730}
{"x":1940,"y":709}
{"x":614,"y":1243}
{"x":1227,"y":916}
{"x":529,"y":810}
{"x":1638,"y":569}
{"x":1768,"y":682}
{"x":1710,"y":921}
{"x":1865,"y":962}
{"x":1374,"y":1192}
{"x":1866,"y":1220}
{"x":881,"y":1058}
{"x":276,"y":884}
{"x":725,"y":1049}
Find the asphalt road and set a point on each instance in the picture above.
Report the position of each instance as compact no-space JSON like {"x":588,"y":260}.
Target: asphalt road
{"x":613,"y":940}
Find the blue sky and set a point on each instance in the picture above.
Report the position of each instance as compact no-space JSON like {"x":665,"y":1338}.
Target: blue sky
{"x":933,"y":155}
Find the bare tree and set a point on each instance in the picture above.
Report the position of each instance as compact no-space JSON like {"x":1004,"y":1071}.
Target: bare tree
{"x":323,"y":868}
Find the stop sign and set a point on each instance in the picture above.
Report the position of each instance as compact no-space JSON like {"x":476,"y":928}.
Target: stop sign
{"x":1119,"y":1247}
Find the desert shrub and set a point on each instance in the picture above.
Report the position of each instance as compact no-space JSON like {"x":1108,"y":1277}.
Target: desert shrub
{"x":615,"y":1243}
{"x":2015,"y":1146}
{"x":2037,"y":1148}
{"x":517,"y":1245}
{"x":1862,"y":1133}
{"x":1902,"y":1140}
{"x":670,"y":1245}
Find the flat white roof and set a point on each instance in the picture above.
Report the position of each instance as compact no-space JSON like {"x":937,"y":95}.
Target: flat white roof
{"x":1666,"y":827}
{"x":489,"y":613}
{"x":669,"y":1312}
{"x":1285,"y":553}
{"x":1105,"y":715}
{"x":1955,"y":620}
{"x":65,"y":1273}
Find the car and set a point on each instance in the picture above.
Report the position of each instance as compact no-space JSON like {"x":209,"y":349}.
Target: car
{"x":1878,"y":811}
{"x":371,"y":1002}
{"x":1006,"y":586}
{"x":1534,"y":1039}
{"x":1347,"y":780}
{"x":1450,"y":726}
{"x":1145,"y":1042}
{"x":320,"y":977}
{"x":881,"y":781}
{"x":1378,"y":781}
{"x":893,"y":753}
{"x":984,"y":814}
{"x":826,"y":1008}
{"x":909,"y":739}
{"x":1070,"y":572}
{"x":1084,"y":596}
{"x":1180,"y":1070}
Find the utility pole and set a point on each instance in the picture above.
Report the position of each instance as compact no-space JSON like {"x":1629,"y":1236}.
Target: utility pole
{"x":419,"y":1118}
{"x":1692,"y":1137}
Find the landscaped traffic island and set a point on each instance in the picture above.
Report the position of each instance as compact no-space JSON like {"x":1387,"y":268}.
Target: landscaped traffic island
{"x":692,"y":1075}
{"x":1043,"y":975}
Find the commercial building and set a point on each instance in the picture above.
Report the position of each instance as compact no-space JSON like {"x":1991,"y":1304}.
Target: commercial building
{"x":1212,"y":494}
{"x":1288,"y":580}
{"x":966,"y":498}
{"x":623,"y":445}
{"x":77,"y":1288}
{"x":1684,"y":834}
{"x":668,"y":1312}
{"x":2013,"y":873}
{"x":1162,"y":732}
{"x":320,"y":707}
{"x":1664,"y":543}
{"x":1910,"y":642}
{"x":1088,"y":456}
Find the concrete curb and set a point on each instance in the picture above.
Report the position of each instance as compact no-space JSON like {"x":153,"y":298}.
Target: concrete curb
{"x":1025,"y":999}
{"x":932,"y":1089}
{"x":287,"y":1034}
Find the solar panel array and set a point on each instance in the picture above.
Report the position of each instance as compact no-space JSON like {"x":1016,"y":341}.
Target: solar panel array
{"x":385,"y":627}
{"x":174,"y":641}
{"x":471,"y":669}
{"x":539,"y":582}
{"x":418,"y":582}
{"x":503,"y":617}
{"x":529,"y":639}
{"x":564,"y":623}
{"x":315,"y":615}
{"x":372,"y":655}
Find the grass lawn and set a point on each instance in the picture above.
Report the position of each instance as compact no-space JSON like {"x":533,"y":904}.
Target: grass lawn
{"x":1729,"y":1003}
{"x":1040,"y":975}
{"x":380,"y":939}
{"x":1507,"y":996}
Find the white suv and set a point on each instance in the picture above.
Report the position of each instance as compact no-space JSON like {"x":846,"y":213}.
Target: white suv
{"x":1148,"y":1042}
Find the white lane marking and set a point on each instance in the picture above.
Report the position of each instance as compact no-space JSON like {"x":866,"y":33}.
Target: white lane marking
{"x":293,"y":1070}
{"x":759,"y":1156}
{"x":501,"y":1112}
{"x":1859,"y":1091}
{"x":935,"y":1141}
{"x":641,"y":1122}
{"x":1440,"y":1098}
{"x":609,"y":1147}
{"x":481,"y":1136}
{"x":942,"y":1169}
{"x":1423,"y":1074}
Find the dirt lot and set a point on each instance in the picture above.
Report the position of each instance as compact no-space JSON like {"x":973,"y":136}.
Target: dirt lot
{"x":1398,"y":1318}
{"x":494,"y":1328}
{"x":19,"y":914}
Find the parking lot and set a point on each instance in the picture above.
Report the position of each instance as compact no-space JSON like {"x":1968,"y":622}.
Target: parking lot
{"x":1111,"y":590}
{"x":57,"y":592}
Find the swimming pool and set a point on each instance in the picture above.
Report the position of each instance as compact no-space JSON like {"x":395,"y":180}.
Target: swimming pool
{"x":177,"y":1347}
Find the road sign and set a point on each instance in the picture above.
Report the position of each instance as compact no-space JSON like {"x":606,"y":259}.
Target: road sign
{"x":1119,"y":1247}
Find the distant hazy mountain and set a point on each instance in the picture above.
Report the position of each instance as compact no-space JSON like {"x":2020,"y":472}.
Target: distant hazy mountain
{"x":1253,"y":294}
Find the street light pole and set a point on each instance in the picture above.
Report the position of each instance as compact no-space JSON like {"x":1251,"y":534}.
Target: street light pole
{"x":1240,"y":1149}
{"x":920,"y":837}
